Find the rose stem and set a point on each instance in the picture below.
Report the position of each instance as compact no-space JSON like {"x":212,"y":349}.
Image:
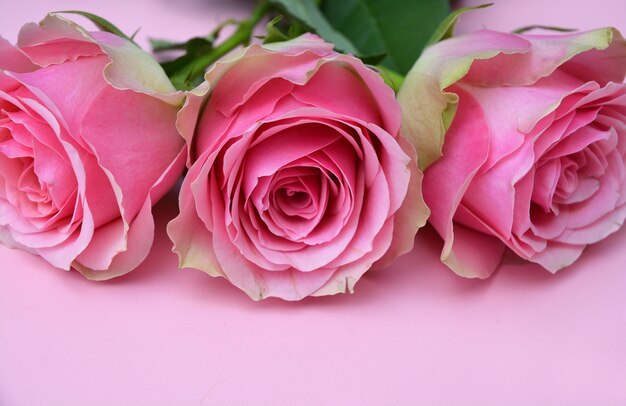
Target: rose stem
{"x":241,"y":36}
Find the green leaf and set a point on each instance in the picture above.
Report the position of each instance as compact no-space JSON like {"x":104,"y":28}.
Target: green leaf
{"x":446,"y":28}
{"x":132,"y":37}
{"x":375,"y":59}
{"x":192,"y":45}
{"x":160,"y":45}
{"x":100,"y":22}
{"x":543,"y":27}
{"x":393,"y":79}
{"x":397,"y":28}
{"x":193,"y":48}
{"x":273,"y":33}
{"x":307,"y":12}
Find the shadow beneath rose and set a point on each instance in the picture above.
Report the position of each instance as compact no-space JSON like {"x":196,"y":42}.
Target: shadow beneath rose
{"x":418,"y":274}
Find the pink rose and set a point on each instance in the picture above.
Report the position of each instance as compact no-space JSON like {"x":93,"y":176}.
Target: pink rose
{"x":299,"y":176}
{"x":533,"y":159}
{"x":88,"y":143}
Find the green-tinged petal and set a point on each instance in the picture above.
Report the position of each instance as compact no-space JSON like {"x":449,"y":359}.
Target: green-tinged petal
{"x":489,"y":58}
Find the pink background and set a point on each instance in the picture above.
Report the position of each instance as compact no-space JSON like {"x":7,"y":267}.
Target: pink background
{"x":411,"y":334}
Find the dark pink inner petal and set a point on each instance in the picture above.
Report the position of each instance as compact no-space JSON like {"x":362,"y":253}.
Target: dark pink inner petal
{"x":580,"y":178}
{"x":291,"y":197}
{"x":39,"y":189}
{"x":546,"y":180}
{"x":305,"y":200}
{"x":284,"y":146}
{"x":296,"y":195}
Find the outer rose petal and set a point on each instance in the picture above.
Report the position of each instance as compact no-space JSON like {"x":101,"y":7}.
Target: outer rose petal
{"x":494,"y":58}
{"x":187,"y":117}
{"x":13,"y":59}
{"x":577,"y":52}
{"x":143,"y":162}
{"x":472,"y":254}
{"x":139,"y":237}
{"x":55,"y":40}
{"x":70,"y":103}
{"x":412,"y":214}
{"x":446,"y":181}
{"x":427,"y":113}
{"x":299,"y":60}
{"x":427,"y":109}
{"x":192,"y":240}
{"x":133,"y":68}
{"x":304,"y":43}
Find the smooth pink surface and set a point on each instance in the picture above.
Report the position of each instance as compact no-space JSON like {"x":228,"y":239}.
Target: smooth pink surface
{"x":411,"y":334}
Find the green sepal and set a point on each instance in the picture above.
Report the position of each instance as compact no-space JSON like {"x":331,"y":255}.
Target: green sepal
{"x":102,"y":23}
{"x":446,"y":28}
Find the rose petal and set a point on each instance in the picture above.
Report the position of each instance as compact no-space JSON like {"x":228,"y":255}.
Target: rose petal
{"x":526,"y":104}
{"x":132,"y":68}
{"x":412,"y":213}
{"x":13,"y":59}
{"x":547,"y":53}
{"x":72,"y":102}
{"x":55,"y":40}
{"x":557,"y":256}
{"x":596,"y":231}
{"x":472,"y":254}
{"x":192,"y":240}
{"x":136,"y":170}
{"x":122,"y":252}
{"x":446,"y":180}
